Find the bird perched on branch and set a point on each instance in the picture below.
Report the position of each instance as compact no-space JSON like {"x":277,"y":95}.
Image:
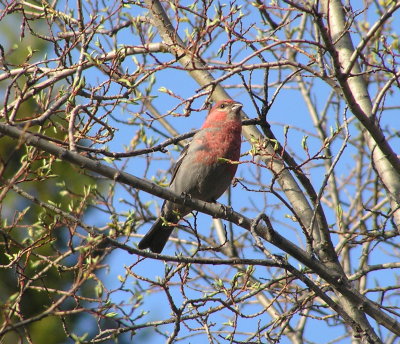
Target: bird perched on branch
{"x":204,"y":169}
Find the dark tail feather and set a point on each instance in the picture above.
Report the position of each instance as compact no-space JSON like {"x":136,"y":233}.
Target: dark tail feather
{"x":156,"y":237}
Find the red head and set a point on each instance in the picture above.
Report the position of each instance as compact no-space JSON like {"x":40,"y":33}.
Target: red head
{"x":223,"y":111}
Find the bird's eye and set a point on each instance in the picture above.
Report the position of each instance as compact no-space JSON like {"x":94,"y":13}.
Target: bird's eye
{"x":222,"y":106}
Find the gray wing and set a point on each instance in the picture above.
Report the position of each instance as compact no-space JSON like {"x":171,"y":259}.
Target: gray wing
{"x":179,"y":162}
{"x":184,"y":153}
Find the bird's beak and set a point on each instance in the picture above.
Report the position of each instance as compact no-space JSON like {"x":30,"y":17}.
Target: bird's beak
{"x":237,"y":106}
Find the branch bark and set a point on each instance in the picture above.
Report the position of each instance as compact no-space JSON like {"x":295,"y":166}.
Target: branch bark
{"x":355,"y":91}
{"x":290,"y":187}
{"x":335,"y":279}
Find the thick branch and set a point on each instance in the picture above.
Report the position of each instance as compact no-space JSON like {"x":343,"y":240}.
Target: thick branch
{"x":216,"y":210}
{"x":293,"y":192}
{"x":355,"y":91}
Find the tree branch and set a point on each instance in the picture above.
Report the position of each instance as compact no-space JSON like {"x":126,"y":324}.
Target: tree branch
{"x":215,"y":210}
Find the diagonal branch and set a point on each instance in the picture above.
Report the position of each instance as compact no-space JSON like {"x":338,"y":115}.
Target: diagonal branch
{"x":215,"y":210}
{"x":198,"y":71}
{"x":355,"y":91}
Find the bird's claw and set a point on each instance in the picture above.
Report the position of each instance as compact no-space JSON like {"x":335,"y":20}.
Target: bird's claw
{"x":227,"y":209}
{"x":186,"y":196}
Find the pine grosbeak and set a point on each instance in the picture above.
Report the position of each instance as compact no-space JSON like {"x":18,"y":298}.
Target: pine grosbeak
{"x":200,"y":172}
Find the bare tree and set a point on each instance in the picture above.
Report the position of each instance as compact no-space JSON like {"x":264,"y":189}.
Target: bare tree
{"x":98,"y":100}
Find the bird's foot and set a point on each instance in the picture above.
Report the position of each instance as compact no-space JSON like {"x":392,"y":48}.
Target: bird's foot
{"x":227,"y":209}
{"x":186,"y":196}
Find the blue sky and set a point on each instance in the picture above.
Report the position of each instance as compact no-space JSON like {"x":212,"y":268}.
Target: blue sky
{"x":289,"y":109}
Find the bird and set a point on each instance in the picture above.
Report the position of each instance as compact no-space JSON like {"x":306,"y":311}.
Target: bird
{"x":204,"y":170}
